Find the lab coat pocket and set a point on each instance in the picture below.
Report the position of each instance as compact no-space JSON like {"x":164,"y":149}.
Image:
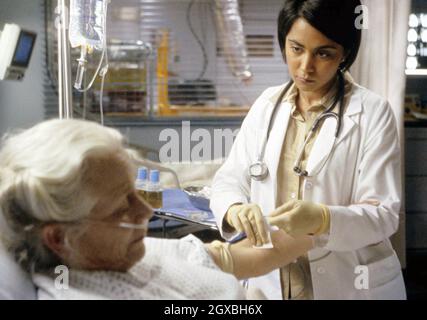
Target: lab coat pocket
{"x":392,"y":290}
{"x":383,"y":271}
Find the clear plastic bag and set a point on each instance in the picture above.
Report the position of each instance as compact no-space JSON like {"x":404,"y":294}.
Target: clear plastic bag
{"x":87,"y":23}
{"x":232,"y":38}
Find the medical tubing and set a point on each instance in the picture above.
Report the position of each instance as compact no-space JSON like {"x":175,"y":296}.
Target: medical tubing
{"x":101,"y":96}
{"x":126,"y":225}
{"x":95,"y":74}
{"x":76,"y":233}
{"x":122,"y":224}
{"x":338,"y":98}
{"x":199,"y":42}
{"x":342,"y":96}
{"x":297,"y":164}
{"x":105,"y":68}
{"x":81,"y":68}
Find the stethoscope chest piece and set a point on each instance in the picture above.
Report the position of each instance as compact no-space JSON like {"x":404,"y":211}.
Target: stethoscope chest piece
{"x":258,"y":171}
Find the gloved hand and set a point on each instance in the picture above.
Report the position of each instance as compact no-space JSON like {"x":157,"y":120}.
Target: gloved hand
{"x":248,"y":218}
{"x":298,"y":218}
{"x":220,"y":252}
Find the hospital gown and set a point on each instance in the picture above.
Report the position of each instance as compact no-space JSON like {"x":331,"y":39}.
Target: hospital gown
{"x":171,"y":269}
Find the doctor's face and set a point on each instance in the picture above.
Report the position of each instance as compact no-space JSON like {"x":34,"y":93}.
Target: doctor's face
{"x":312,"y":58}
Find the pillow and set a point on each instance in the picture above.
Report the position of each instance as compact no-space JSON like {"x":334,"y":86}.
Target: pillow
{"x":15,"y":283}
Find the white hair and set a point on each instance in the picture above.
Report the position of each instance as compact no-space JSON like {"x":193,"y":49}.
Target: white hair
{"x":41,"y":180}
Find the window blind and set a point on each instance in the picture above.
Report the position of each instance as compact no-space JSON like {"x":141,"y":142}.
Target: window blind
{"x":188,"y":62}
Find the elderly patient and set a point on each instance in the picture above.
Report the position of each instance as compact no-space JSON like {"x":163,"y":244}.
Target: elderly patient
{"x":68,"y":198}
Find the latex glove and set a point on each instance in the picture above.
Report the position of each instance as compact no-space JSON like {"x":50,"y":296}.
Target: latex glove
{"x":220,"y":252}
{"x":298,"y":218}
{"x":248,"y":218}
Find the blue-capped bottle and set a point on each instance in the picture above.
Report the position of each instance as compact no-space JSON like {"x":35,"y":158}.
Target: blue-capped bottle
{"x":154,"y":194}
{"x":141,"y":182}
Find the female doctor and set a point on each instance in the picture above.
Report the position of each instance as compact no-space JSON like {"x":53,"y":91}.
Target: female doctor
{"x":318,"y":156}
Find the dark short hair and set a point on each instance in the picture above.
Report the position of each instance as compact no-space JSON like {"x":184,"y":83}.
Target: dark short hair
{"x":334,"y":18}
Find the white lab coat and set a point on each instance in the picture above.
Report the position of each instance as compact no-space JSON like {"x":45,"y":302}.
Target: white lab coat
{"x":362,"y":164}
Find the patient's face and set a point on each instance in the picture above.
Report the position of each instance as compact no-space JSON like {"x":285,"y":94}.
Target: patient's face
{"x":101,"y":243}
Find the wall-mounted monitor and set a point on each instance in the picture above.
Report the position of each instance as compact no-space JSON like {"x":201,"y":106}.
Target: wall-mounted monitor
{"x":16,"y":48}
{"x":24,"y":48}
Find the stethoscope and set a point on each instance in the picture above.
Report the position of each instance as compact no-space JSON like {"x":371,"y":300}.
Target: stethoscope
{"x":258,"y":171}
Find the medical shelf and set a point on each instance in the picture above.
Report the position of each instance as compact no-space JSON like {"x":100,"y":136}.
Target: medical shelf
{"x":196,"y":121}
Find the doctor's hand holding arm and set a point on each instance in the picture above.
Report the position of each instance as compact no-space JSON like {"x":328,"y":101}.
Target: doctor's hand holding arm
{"x":248,"y":218}
{"x":298,"y":218}
{"x":244,"y":261}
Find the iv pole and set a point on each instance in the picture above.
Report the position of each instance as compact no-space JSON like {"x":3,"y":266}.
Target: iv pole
{"x":65,"y":96}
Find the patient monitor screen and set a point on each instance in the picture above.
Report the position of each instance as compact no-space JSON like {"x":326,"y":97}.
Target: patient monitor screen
{"x":24,"y":49}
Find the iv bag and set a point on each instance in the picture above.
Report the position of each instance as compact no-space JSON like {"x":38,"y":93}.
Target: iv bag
{"x":230,"y":29}
{"x":87,"y":23}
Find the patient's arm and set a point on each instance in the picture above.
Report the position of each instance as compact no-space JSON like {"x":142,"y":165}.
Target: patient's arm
{"x":250,"y":262}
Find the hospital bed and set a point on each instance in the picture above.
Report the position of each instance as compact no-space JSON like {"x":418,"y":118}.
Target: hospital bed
{"x":16,"y":284}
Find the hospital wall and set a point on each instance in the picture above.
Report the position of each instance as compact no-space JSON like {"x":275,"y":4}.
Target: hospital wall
{"x":22,"y":103}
